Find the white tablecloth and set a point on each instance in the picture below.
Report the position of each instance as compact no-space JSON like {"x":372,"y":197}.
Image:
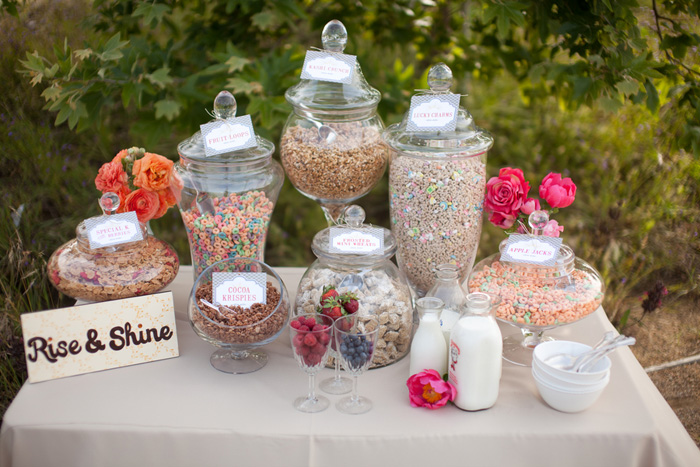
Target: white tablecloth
{"x":183,"y":412}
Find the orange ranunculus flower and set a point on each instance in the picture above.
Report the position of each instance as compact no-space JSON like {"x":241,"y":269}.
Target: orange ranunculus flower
{"x":152,"y":172}
{"x":163,"y":203}
{"x":111,"y":177}
{"x":121,"y":155}
{"x":144,"y":203}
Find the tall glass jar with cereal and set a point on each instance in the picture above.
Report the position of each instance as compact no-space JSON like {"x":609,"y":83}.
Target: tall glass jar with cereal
{"x":437,"y":178}
{"x":231,"y":184}
{"x":354,"y":274}
{"x":331,"y":147}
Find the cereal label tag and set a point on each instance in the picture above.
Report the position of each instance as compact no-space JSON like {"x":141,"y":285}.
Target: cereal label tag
{"x":433,"y":112}
{"x":99,"y":336}
{"x":239,"y":288}
{"x":324,"y":66}
{"x":540,"y":250}
{"x":113,"y":230}
{"x":351,"y":241}
{"x":231,"y":134}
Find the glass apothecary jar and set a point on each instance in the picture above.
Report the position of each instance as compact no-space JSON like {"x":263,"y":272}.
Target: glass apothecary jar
{"x":92,"y":273}
{"x":228,"y":196}
{"x":536,"y":298}
{"x":331,"y":145}
{"x":437,"y":179}
{"x":378,"y":285}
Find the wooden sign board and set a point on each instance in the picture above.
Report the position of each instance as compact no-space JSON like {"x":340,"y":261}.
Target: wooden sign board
{"x":99,"y":336}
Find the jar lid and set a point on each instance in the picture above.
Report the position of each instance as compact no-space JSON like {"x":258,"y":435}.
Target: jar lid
{"x":224,"y":110}
{"x":465,"y":140}
{"x":354,"y":99}
{"x":354,"y":217}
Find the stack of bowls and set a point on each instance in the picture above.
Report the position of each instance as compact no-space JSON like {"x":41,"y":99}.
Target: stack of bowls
{"x":567,"y":390}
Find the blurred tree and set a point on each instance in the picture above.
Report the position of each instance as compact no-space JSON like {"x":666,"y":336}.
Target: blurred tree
{"x":162,"y":61}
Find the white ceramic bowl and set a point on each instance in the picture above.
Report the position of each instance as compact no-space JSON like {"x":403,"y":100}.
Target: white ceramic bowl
{"x":583,"y":385}
{"x":549,"y":349}
{"x":569,"y":401}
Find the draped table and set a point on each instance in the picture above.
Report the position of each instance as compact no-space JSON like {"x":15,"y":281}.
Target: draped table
{"x":183,"y":412}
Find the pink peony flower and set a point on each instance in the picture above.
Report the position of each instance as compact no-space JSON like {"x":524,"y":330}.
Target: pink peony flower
{"x":427,"y":389}
{"x":530,"y":205}
{"x":505,"y":195}
{"x":557,"y":192}
{"x":553,"y":229}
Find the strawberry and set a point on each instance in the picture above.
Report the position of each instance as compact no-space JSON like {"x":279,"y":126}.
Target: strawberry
{"x":328,"y":292}
{"x":336,"y":312}
{"x":351,"y":306}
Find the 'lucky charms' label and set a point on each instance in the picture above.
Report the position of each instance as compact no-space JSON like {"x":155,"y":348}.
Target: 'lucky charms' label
{"x":231,"y":134}
{"x":239,"y":288}
{"x":324,"y":66}
{"x":113,"y":230}
{"x":433,"y":112}
{"x":368,"y":241}
{"x":539,"y":250}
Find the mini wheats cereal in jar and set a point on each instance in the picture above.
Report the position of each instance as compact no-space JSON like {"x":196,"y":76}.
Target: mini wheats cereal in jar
{"x":437,"y":177}
{"x":354,"y":274}
{"x":331,"y":146}
{"x":231,"y":184}
{"x":112,"y":257}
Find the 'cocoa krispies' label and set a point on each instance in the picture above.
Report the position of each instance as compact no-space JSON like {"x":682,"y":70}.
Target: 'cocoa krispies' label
{"x":239,"y":288}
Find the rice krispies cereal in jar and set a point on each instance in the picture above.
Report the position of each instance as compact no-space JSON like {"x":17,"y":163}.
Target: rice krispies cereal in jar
{"x":437,"y":179}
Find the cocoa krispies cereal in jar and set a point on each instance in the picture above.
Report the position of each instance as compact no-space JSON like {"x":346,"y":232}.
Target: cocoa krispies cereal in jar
{"x":341,"y":170}
{"x":436,"y":214}
{"x":378,"y":295}
{"x":111,"y":273}
{"x":236,"y":325}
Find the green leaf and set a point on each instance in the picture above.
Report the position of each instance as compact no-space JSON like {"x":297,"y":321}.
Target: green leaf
{"x":127,"y":93}
{"x":82,"y":54}
{"x":238,"y":85}
{"x":152,"y":13}
{"x":610,"y":105}
{"x":627,"y":87}
{"x":236,"y":63}
{"x":264,"y":20}
{"x":80,"y":111}
{"x":161,"y":77}
{"x":51,"y":93}
{"x":652,"y":96}
{"x":167,"y":108}
{"x":581,"y":86}
{"x":607,"y":4}
{"x":503,"y":24}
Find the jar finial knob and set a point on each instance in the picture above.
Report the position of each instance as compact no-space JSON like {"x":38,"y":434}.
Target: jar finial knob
{"x":334,"y":36}
{"x":354,"y":216}
{"x":225,"y":105}
{"x":538,"y":221}
{"x":109,"y":202}
{"x":440,"y":78}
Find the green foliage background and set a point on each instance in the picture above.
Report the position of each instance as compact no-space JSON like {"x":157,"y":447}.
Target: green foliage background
{"x":605,"y":92}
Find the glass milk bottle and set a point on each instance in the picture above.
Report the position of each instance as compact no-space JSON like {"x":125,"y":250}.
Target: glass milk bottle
{"x":476,"y":348}
{"x":428,"y":349}
{"x":447,"y":289}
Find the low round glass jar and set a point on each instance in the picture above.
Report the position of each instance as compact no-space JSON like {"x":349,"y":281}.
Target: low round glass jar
{"x":379,"y":286}
{"x":536,"y":298}
{"x":331,"y":146}
{"x":227,"y":199}
{"x":437,"y":181}
{"x":113,"y":272}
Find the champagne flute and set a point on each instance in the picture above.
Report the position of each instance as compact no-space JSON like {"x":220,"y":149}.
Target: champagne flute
{"x":336,"y":384}
{"x":311,"y":335}
{"x":355,"y":338}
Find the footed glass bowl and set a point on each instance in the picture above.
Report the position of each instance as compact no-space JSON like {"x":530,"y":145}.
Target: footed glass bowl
{"x":238,"y":331}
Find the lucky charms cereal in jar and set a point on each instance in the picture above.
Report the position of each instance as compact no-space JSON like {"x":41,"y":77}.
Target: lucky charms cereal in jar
{"x":354,"y":268}
{"x":437,"y":176}
{"x":231,"y":184}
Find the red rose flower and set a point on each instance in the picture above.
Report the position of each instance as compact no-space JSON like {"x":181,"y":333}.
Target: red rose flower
{"x":557,"y":192}
{"x":505,"y":196}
